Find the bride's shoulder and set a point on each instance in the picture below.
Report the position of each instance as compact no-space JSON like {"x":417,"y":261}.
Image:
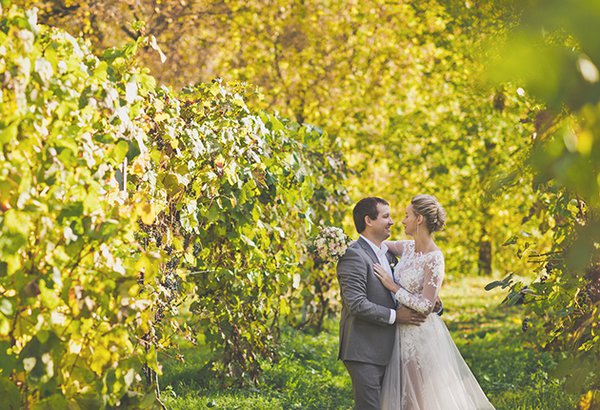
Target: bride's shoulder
{"x":433,"y":254}
{"x":437,"y":250}
{"x":436,"y":255}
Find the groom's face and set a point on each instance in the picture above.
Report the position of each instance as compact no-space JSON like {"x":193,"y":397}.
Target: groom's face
{"x":381,"y":227}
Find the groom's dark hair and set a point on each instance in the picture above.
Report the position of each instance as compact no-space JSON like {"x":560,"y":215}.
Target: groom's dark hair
{"x":366,"y":207}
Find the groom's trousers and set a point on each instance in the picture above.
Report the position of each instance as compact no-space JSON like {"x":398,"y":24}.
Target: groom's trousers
{"x":366,"y":384}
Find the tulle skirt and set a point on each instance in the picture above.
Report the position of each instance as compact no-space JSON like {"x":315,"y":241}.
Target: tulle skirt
{"x":427,"y":372}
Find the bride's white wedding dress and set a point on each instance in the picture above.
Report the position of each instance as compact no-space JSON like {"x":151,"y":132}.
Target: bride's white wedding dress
{"x":426,"y":371}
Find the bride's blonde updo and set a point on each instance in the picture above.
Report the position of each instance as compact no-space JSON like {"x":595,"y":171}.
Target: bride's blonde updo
{"x":429,"y":207}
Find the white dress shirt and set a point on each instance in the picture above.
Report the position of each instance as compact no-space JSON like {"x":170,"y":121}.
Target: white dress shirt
{"x":380,"y":253}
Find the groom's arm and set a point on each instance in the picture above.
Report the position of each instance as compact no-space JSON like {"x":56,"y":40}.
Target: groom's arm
{"x":352,"y":276}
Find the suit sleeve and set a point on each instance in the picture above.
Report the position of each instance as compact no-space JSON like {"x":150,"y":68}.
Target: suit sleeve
{"x":352,"y":276}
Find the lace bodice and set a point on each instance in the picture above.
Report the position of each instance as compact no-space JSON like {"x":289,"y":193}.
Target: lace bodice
{"x":420,"y":275}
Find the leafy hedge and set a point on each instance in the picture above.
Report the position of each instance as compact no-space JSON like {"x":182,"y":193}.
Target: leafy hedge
{"x":122,"y":202}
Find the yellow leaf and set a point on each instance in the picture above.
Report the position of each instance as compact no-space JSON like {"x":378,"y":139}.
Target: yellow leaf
{"x":161,"y":117}
{"x":147,"y":213}
{"x":101,"y":358}
{"x":589,"y":401}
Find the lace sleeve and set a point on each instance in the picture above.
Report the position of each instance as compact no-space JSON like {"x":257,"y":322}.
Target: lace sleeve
{"x":397,"y":247}
{"x":432,"y":281}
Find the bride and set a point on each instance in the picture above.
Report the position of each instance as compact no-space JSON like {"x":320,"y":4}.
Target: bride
{"x":426,"y":371}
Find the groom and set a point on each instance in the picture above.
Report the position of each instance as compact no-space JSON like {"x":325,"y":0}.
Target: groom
{"x":369,"y":312}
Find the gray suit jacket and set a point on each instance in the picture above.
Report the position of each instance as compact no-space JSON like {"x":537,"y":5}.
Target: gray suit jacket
{"x":365,"y":333}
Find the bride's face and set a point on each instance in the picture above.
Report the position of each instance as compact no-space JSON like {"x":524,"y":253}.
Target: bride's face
{"x":410,"y":221}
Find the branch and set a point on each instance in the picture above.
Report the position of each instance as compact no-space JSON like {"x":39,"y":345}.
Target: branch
{"x":131,"y":34}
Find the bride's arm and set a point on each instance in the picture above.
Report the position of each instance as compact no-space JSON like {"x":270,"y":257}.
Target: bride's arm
{"x":396,"y":247}
{"x":425,"y":302}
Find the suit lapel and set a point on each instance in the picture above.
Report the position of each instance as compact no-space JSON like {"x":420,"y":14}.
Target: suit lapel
{"x":369,"y":251}
{"x":367,"y":248}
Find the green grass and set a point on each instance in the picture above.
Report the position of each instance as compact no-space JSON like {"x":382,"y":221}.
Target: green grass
{"x":511,"y":369}
{"x":306,"y":376}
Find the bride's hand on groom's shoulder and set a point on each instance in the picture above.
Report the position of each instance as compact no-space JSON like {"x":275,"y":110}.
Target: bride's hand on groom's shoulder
{"x":385,"y":278}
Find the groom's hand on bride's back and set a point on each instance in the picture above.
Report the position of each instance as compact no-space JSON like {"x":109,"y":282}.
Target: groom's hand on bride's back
{"x":407,"y":316}
{"x":438,"y":307}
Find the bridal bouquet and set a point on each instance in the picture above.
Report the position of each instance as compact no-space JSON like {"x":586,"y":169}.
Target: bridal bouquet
{"x":331,"y":243}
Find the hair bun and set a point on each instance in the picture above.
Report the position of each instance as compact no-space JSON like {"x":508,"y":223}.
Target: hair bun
{"x":430,"y":208}
{"x":440,"y":219}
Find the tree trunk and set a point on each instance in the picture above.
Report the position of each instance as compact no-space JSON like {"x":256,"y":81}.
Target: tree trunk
{"x":484,"y":263}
